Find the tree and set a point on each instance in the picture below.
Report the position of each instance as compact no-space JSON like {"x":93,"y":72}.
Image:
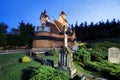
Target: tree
{"x":14,"y":31}
{"x":48,"y":73}
{"x":3,"y":32}
{"x":100,"y":30}
{"x":13,"y":38}
{"x":26,"y":32}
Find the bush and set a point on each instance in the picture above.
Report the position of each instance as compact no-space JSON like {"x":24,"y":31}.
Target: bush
{"x":81,"y":55}
{"x":104,"y":45}
{"x":26,"y":59}
{"x":48,"y":73}
{"x":104,"y":67}
{"x":83,"y":45}
{"x":97,"y":55}
{"x":53,"y":52}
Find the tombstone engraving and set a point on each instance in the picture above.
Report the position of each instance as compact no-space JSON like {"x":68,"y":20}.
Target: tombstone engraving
{"x":114,"y":55}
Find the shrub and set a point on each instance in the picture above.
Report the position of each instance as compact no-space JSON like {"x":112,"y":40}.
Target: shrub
{"x":81,"y":55}
{"x":53,"y":52}
{"x":26,"y":59}
{"x":48,"y":73}
{"x":97,"y":55}
{"x":83,"y":45}
{"x":104,"y":67}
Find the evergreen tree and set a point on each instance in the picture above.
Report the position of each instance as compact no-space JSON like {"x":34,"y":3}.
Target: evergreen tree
{"x":26,"y":32}
{"x":3,"y":36}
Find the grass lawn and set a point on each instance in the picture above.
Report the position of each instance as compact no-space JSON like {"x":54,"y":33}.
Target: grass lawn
{"x":11,"y":68}
{"x":55,"y":58}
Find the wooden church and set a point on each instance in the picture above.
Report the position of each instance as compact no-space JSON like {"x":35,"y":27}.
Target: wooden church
{"x":49,"y":34}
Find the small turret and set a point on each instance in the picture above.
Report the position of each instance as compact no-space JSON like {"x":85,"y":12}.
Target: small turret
{"x":43,"y":19}
{"x":63,"y":14}
{"x":62,"y":19}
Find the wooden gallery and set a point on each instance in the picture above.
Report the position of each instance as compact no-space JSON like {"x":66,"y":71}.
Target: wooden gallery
{"x":49,"y":35}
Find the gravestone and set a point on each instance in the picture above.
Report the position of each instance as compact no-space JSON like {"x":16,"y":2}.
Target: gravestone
{"x":114,"y":55}
{"x":65,"y":58}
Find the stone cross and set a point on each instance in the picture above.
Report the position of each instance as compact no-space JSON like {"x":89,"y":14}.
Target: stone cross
{"x":65,"y":37}
{"x":65,"y":57}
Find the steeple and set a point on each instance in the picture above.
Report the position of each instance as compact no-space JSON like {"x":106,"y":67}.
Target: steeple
{"x":62,"y":13}
{"x":62,"y":19}
{"x":44,"y":18}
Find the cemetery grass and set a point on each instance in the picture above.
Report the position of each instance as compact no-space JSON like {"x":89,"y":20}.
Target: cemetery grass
{"x":54,"y":57}
{"x":11,"y":68}
{"x":81,"y":71}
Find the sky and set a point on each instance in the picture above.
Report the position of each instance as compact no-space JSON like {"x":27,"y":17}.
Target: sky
{"x":13,"y":11}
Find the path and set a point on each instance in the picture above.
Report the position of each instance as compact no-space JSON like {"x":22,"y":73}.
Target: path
{"x":13,"y":51}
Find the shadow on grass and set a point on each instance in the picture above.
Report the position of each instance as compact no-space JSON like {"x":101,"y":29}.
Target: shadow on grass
{"x":27,"y":73}
{"x":76,"y":78}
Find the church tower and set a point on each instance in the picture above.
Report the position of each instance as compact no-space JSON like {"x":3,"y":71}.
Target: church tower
{"x":62,"y":19}
{"x":43,"y":19}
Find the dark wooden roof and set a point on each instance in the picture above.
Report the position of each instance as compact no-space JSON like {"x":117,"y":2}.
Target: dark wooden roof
{"x":62,"y":12}
{"x":59,"y":25}
{"x":53,"y":28}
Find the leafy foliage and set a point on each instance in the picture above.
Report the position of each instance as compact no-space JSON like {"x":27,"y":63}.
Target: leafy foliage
{"x":81,"y":55}
{"x":48,"y":73}
{"x":26,"y":59}
{"x":22,"y":36}
{"x":98,"y":61}
{"x":26,"y":32}
{"x":97,"y":54}
{"x":106,"y":68}
{"x":53,"y":52}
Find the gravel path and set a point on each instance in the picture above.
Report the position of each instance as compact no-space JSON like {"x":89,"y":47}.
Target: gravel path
{"x":13,"y":51}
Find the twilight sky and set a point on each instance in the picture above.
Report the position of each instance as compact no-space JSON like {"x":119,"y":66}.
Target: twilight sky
{"x":13,"y":11}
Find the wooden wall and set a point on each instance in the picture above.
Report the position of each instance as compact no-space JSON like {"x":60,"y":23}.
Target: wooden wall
{"x":41,"y":43}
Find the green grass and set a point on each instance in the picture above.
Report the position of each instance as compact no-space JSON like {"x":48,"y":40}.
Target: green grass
{"x":55,"y":58}
{"x":7,"y":59}
{"x":52,"y":58}
{"x":11,"y":68}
